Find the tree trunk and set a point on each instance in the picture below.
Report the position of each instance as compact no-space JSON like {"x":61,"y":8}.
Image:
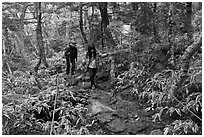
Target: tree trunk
{"x":81,"y":24}
{"x":92,"y":15}
{"x":188,"y":25}
{"x":105,"y":22}
{"x":104,"y":14}
{"x":90,"y":20}
{"x":39,"y":36}
{"x":104,"y":19}
{"x":171,"y":32}
{"x":135,"y":6}
{"x":190,"y":51}
{"x":156,"y":39}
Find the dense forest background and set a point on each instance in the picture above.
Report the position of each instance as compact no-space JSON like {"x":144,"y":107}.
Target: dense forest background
{"x":155,"y":61}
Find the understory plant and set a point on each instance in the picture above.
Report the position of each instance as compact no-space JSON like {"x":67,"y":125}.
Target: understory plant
{"x":157,"y":90}
{"x":186,"y":105}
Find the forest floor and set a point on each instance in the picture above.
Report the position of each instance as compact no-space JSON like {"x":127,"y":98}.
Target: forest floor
{"x":111,"y":114}
{"x":121,"y":114}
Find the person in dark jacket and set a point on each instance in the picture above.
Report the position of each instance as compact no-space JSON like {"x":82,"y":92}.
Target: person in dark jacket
{"x":92,"y":55}
{"x":71,"y":57}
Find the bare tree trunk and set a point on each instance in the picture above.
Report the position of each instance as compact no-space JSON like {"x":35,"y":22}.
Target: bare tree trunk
{"x":105,"y":22}
{"x":171,"y":32}
{"x":190,"y":51}
{"x":102,"y":37}
{"x":104,"y":14}
{"x":104,"y":19}
{"x":188,"y":25}
{"x":81,"y":24}
{"x":90,"y":20}
{"x":156,"y":39}
{"x":135,"y":6}
{"x":40,"y":42}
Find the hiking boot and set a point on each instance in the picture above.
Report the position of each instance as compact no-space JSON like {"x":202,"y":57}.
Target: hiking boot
{"x":93,"y":87}
{"x":97,"y":87}
{"x":72,"y":73}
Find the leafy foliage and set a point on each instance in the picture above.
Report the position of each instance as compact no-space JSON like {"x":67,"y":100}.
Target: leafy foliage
{"x":18,"y":83}
{"x":180,"y":127}
{"x":141,"y":65}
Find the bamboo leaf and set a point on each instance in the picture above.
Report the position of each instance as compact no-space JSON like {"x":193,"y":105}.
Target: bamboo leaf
{"x":39,"y":109}
{"x":178,"y":111}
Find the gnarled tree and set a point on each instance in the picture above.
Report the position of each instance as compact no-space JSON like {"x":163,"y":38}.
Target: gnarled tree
{"x":189,"y":52}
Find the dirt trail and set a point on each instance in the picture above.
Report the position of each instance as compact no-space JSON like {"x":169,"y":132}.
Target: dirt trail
{"x":126,"y":119}
{"x":114,"y":115}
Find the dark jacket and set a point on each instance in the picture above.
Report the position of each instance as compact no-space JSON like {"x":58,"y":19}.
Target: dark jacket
{"x":71,"y":53}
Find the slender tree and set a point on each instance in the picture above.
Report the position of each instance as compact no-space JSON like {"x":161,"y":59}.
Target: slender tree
{"x":90,"y":19}
{"x":188,"y":24}
{"x":105,"y":22}
{"x":39,"y":36}
{"x":81,"y":23}
{"x":104,"y":14}
{"x":104,"y":19}
{"x":171,"y":32}
{"x":156,"y":39}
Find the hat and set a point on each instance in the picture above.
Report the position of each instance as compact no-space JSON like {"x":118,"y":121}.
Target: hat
{"x":72,"y":42}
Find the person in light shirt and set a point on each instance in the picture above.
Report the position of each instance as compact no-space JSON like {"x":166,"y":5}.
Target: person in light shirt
{"x":92,"y":56}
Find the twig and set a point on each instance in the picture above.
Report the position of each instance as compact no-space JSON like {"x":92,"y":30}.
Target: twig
{"x":184,"y":106}
{"x":195,"y":68}
{"x":53,"y":116}
{"x":9,"y":69}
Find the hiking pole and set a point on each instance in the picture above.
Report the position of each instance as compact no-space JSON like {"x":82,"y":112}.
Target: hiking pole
{"x":55,"y":101}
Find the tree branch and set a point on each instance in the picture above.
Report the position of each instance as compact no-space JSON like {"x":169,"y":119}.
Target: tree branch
{"x":190,"y":51}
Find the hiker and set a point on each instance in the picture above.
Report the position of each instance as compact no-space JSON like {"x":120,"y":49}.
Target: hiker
{"x":71,"y":57}
{"x":92,"y":56}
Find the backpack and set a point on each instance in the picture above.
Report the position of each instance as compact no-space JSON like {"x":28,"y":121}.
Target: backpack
{"x":71,"y":53}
